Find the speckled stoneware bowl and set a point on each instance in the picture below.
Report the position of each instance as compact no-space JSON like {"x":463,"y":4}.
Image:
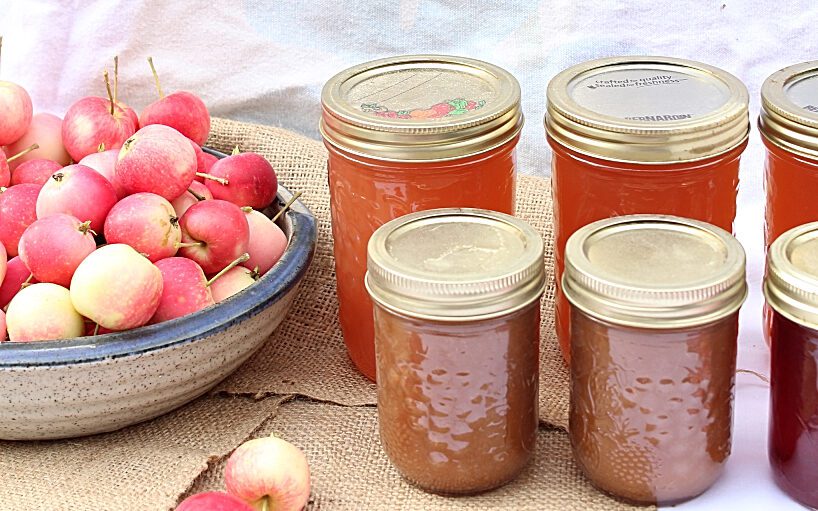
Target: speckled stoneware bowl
{"x":74,"y":387}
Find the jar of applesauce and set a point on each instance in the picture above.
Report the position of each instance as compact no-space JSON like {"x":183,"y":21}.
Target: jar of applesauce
{"x":791,"y":290}
{"x":642,"y":135}
{"x":654,"y":324}
{"x":456,"y":297}
{"x":407,"y":134}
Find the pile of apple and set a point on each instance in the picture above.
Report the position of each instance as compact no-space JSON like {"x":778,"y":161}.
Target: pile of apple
{"x":144,"y":228}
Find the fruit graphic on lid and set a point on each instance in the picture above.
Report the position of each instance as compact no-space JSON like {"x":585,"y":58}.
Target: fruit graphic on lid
{"x":446,"y":108}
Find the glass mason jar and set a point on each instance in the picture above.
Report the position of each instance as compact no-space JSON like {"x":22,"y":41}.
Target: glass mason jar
{"x":654,"y":310}
{"x":788,"y":124}
{"x":642,"y":135}
{"x":407,"y":134}
{"x":791,"y":290}
{"x":456,"y":297}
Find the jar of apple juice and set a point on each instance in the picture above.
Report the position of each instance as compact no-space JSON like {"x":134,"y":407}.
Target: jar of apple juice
{"x":407,"y":134}
{"x":788,"y":124}
{"x":642,"y":135}
{"x":654,"y":324}
{"x":456,"y":296}
{"x":791,"y":292}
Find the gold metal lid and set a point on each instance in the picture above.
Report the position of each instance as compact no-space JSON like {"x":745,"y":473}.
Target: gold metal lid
{"x":791,"y":284}
{"x":789,"y":109}
{"x":421,"y":108}
{"x":650,"y":110}
{"x":654,"y":271}
{"x":455,"y":264}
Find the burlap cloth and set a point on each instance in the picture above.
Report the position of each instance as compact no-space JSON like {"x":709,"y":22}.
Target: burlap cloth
{"x":302,"y":386}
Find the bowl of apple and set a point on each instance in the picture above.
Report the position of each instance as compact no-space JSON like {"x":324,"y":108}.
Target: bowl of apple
{"x":137,"y":279}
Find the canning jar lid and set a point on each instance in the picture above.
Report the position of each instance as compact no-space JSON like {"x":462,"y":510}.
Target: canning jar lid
{"x":651,"y":110}
{"x":455,"y":264}
{"x":421,"y":108}
{"x":791,"y":284}
{"x":654,"y":271}
{"x":789,"y":109}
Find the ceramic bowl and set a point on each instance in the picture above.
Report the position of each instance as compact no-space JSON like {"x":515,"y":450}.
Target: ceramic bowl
{"x":86,"y":385}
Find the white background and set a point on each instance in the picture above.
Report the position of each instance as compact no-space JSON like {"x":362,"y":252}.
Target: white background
{"x":266,"y":62}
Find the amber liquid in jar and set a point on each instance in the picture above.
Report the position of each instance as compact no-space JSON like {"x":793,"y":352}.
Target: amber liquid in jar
{"x":651,"y":410}
{"x":587,"y":189}
{"x":791,"y":181}
{"x":366,"y":193}
{"x":458,"y":401}
{"x":793,"y":440}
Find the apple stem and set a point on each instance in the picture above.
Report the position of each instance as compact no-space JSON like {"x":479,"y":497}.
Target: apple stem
{"x":240,"y":259}
{"x":116,"y":77}
{"x":96,"y":328}
{"x":101,"y":147}
{"x":235,"y":151}
{"x":188,"y":245}
{"x":27,"y":281}
{"x":25,"y":151}
{"x":198,"y":197}
{"x":156,"y":78}
{"x":287,"y":206}
{"x":265,"y":503}
{"x":85,"y":228}
{"x":108,"y":87}
{"x":213,"y":178}
{"x":246,"y":209}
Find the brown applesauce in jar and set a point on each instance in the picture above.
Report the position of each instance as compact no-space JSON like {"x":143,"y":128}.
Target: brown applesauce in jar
{"x":654,"y":314}
{"x":456,"y":307}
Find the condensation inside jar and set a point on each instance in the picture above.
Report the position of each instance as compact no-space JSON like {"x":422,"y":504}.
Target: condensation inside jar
{"x":654,"y":328}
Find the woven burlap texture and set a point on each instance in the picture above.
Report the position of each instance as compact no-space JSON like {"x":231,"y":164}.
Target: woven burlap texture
{"x":306,"y":355}
{"x":143,"y":467}
{"x":349,"y":470}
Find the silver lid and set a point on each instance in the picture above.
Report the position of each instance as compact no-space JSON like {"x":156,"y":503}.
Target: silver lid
{"x":455,"y":264}
{"x":791,"y":284}
{"x":654,"y":271}
{"x":651,"y":110}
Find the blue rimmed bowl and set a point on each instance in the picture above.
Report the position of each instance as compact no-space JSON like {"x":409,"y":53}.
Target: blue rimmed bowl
{"x":86,"y":385}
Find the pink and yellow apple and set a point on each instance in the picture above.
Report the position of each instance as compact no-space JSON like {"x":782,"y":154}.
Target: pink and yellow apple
{"x":270,"y":469}
{"x":146,"y":222}
{"x":18,"y":210}
{"x":79,"y":191}
{"x":53,"y":247}
{"x":92,"y":121}
{"x":45,"y":131}
{"x":16,"y":275}
{"x":214,"y":233}
{"x":117,"y":287}
{"x":213,"y":501}
{"x":156,"y":159}
{"x":15,"y":112}
{"x":184,"y":289}
{"x":42,"y":312}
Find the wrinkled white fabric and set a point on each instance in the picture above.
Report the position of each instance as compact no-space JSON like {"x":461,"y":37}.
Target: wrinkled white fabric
{"x":267,"y":61}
